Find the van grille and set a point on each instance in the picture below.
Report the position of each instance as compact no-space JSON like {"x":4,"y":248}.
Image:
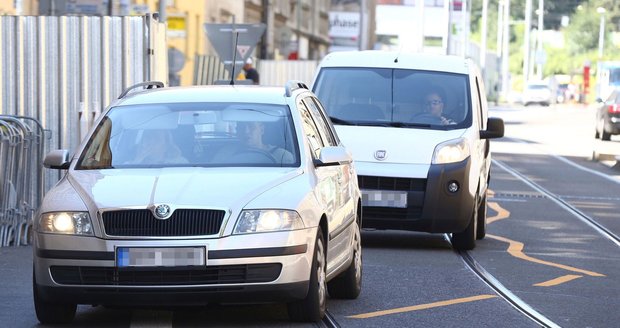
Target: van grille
{"x":182,"y":222}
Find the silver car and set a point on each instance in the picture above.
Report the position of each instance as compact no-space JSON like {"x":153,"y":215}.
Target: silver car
{"x":202,"y":195}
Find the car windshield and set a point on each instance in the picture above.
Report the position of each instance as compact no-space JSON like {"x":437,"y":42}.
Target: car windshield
{"x":192,"y":134}
{"x":395,"y":97}
{"x":537,"y":87}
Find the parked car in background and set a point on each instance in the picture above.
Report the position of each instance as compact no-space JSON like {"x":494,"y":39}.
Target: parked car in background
{"x":608,"y":116}
{"x":418,"y":128}
{"x":198,"y":195}
{"x":537,"y":93}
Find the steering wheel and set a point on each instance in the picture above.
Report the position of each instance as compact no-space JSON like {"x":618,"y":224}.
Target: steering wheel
{"x":254,"y":155}
{"x":427,"y":118}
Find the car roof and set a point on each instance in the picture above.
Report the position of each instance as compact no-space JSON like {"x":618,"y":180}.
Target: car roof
{"x":394,"y":59}
{"x":210,"y":93}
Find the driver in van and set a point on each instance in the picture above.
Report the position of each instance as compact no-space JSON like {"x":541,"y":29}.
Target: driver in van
{"x":434,"y":104}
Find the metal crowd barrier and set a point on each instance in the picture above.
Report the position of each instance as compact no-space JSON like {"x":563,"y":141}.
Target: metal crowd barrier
{"x":21,"y":177}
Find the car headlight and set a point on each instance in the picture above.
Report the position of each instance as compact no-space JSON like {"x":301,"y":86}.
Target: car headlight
{"x":451,"y":151}
{"x":71,"y":223}
{"x":251,"y":221}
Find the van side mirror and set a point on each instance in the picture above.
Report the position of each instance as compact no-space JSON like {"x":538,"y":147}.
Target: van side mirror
{"x":495,"y":129}
{"x":599,"y":100}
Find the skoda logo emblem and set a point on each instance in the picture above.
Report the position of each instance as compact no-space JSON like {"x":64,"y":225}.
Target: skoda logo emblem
{"x":381,"y":155}
{"x":162,"y":211}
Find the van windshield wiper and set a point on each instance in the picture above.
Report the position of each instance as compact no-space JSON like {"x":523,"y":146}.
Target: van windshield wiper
{"x":336,"y":120}
{"x":409,"y":125}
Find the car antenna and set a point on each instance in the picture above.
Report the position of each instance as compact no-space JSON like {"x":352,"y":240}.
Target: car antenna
{"x":234,"y":59}
{"x":398,"y":54}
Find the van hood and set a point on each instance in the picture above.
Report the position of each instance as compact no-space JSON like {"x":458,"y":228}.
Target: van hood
{"x":399,"y":145}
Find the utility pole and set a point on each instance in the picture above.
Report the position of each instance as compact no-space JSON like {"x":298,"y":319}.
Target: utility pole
{"x":447,"y":27}
{"x":483,"y":43}
{"x":539,"y":48}
{"x":526,"y":40}
{"x":420,"y":5}
{"x":505,"y":50}
{"x":464,"y":28}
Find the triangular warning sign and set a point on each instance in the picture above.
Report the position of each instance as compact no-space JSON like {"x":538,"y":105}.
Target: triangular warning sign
{"x":243,"y":50}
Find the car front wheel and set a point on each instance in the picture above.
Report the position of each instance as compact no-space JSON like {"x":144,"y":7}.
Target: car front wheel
{"x":51,"y":313}
{"x":312,"y":308}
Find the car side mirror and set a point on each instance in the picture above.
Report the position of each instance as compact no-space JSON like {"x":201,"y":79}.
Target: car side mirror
{"x":333,"y":155}
{"x":57,"y":159}
{"x":599,"y":100}
{"x":495,"y":129}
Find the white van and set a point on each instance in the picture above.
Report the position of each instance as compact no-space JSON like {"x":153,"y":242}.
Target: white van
{"x":418,"y":128}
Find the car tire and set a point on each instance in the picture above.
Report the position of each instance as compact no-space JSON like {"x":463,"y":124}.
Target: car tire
{"x":312,"y":308}
{"x":348,"y":284}
{"x":51,"y":313}
{"x":466,"y":239}
{"x":605,"y":135}
{"x":481,"y":228}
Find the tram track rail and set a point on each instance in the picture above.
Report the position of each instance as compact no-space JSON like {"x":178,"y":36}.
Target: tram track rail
{"x":495,"y":284}
{"x":562,"y":203}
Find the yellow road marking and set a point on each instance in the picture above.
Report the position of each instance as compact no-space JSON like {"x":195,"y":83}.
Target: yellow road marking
{"x":558,"y":280}
{"x":501,"y":212}
{"x":515,"y":249}
{"x":421,"y":307}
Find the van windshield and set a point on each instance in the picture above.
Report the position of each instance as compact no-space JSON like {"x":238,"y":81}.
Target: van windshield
{"x":395,"y":97}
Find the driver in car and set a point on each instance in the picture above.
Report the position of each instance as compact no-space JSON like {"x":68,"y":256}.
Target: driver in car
{"x":252,"y":147}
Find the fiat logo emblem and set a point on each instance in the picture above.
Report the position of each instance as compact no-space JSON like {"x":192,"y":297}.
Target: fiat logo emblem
{"x":162,"y":211}
{"x":381,"y":155}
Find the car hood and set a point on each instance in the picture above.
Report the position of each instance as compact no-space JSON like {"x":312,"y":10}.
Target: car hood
{"x":401,"y":145}
{"x":203,"y":187}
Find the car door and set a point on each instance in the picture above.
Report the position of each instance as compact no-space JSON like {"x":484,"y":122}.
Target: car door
{"x":327,"y":188}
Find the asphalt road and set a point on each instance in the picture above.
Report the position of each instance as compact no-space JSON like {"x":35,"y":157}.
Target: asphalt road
{"x":542,"y":251}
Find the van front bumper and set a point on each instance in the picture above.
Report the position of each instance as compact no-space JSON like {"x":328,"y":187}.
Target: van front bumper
{"x":419,"y":204}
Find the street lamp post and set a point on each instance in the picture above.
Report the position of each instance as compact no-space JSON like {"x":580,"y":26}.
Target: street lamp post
{"x":601,"y":32}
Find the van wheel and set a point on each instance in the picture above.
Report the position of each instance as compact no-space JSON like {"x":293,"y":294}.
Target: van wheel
{"x":481,"y":229}
{"x":51,"y":313}
{"x":312,"y":308}
{"x":466,"y":239}
{"x":605,"y":135}
{"x":348,"y":284}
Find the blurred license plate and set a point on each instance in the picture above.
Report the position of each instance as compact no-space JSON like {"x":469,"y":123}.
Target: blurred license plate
{"x":384,"y":198}
{"x":150,"y":257}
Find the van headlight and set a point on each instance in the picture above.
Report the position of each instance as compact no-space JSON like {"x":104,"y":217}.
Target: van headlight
{"x":71,"y":223}
{"x":251,"y":221}
{"x":451,"y":151}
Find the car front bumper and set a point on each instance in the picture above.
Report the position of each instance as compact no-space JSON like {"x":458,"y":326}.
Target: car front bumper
{"x":251,"y":268}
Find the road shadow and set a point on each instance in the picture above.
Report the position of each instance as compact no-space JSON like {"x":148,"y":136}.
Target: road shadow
{"x":395,"y":239}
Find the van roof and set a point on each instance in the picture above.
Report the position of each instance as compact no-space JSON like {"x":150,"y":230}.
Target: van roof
{"x":387,"y":59}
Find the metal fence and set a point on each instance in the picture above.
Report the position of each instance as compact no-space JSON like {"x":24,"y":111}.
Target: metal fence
{"x":62,"y":71}
{"x":209,"y":69}
{"x":22,"y":143}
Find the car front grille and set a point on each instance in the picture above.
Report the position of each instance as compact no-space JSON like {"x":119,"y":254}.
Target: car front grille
{"x":389,"y":183}
{"x":209,"y":275}
{"x":183,"y":222}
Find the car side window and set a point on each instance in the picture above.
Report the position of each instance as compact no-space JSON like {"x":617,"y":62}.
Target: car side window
{"x":311,"y":131}
{"x":320,"y":121}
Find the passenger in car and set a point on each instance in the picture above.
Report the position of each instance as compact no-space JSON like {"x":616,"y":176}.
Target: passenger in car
{"x":158,"y":147}
{"x":251,"y":135}
{"x":434,"y":105}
